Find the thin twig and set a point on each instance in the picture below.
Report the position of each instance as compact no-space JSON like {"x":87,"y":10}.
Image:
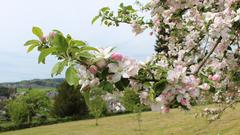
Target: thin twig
{"x":145,"y":80}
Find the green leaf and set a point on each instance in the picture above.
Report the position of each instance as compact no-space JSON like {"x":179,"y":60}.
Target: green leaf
{"x":104,"y":9}
{"x":32,"y":42}
{"x":60,"y":43}
{"x":107,"y":86}
{"x":88,"y":48}
{"x":95,"y":19}
{"x":58,"y":68}
{"x":44,"y":53}
{"x":85,"y":55}
{"x":78,"y":43}
{"x":122,"y":84}
{"x":129,"y":7}
{"x":72,"y":76}
{"x":159,"y":86}
{"x":37,"y":31}
{"x":32,"y":47}
{"x":121,"y":5}
{"x":147,"y":84}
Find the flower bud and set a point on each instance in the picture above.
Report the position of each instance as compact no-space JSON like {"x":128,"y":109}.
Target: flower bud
{"x":101,"y":63}
{"x":183,"y":102}
{"x":117,"y":56}
{"x":52,"y":34}
{"x":216,"y":77}
{"x":93,"y":69}
{"x":43,"y":39}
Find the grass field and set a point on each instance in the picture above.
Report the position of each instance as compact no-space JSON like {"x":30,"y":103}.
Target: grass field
{"x":177,"y":122}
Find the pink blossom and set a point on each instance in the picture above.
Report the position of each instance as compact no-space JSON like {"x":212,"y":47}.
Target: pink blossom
{"x":162,"y":99}
{"x":165,"y":109}
{"x":216,"y":77}
{"x":94,"y":82}
{"x":204,"y":86}
{"x":191,"y":81}
{"x":174,"y":75}
{"x":117,"y":56}
{"x":184,"y":102}
{"x":93,"y":69}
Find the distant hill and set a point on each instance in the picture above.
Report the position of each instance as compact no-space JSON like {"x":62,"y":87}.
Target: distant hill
{"x":35,"y":83}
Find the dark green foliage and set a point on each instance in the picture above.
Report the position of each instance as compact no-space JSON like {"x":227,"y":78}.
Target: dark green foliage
{"x":107,"y":86}
{"x":236,"y":76}
{"x":159,"y":86}
{"x":123,"y":83}
{"x":69,"y":101}
{"x":7,"y":92}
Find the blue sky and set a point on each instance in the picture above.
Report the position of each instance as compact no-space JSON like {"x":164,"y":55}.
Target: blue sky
{"x":71,"y":17}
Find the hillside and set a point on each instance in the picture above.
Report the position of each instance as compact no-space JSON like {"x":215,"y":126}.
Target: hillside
{"x":177,"y":122}
{"x":36,"y":83}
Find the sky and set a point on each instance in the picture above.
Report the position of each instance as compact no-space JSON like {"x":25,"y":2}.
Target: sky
{"x":69,"y":16}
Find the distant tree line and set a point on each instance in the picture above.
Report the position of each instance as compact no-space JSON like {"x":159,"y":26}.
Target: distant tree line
{"x":36,"y":83}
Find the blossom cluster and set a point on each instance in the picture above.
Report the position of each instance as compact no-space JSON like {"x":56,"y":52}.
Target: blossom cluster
{"x":199,"y":39}
{"x":107,"y":66}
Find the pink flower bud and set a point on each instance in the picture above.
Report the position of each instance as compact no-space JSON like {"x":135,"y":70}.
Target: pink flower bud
{"x":93,"y":69}
{"x":216,"y":77}
{"x":101,"y":63}
{"x":43,"y":39}
{"x":184,"y":102}
{"x":116,"y":56}
{"x":52,"y":34}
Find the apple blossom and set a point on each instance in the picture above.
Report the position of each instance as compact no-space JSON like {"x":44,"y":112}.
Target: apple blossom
{"x":117,"y":56}
{"x":216,"y":77}
{"x":165,"y":109}
{"x":204,"y":86}
{"x":183,"y":102}
{"x":93,"y":69}
{"x":103,"y":53}
{"x":94,"y":82}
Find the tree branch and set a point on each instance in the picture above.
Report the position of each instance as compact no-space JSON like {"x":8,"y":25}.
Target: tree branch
{"x":208,"y":55}
{"x":145,"y":80}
